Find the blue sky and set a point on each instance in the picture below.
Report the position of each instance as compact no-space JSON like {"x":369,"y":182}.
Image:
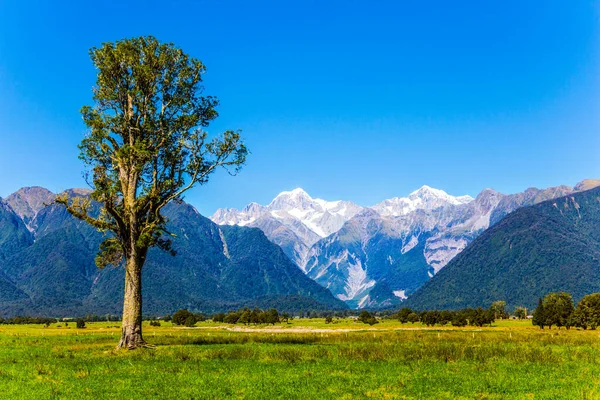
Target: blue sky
{"x":355,"y":100}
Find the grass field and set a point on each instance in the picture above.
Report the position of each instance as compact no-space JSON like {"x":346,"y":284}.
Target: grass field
{"x":306,"y":359}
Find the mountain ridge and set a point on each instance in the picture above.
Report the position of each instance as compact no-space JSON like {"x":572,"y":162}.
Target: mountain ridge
{"x":216,"y":268}
{"x":546,"y":247}
{"x":370,"y":247}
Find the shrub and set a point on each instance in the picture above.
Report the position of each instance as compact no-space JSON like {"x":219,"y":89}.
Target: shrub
{"x":219,"y":317}
{"x":412,"y":318}
{"x":181,"y":316}
{"x":367,"y":318}
{"x":190,"y":321}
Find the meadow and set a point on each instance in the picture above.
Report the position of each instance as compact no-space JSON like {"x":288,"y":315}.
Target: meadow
{"x":306,"y":359}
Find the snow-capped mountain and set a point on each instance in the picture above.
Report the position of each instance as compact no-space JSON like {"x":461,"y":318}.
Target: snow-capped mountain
{"x":377,"y":259}
{"x":377,"y":256}
{"x":425,"y":198}
{"x":293,"y":220}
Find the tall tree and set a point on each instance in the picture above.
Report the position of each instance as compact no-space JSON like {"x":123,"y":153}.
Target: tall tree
{"x":587,"y":312}
{"x":539,"y":315}
{"x":499,"y":309}
{"x":557,"y":308}
{"x":145,"y":147}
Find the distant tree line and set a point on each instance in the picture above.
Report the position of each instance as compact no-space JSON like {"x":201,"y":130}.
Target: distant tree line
{"x":28,"y":320}
{"x":468,"y":316}
{"x":256,"y":316}
{"x":557,"y":309}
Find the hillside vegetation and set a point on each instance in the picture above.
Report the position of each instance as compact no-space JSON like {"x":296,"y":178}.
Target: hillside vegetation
{"x":49,"y":269}
{"x":553,"y":246}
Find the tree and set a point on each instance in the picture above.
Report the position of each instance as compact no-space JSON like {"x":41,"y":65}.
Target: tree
{"x":367,"y":318}
{"x":245,"y":317}
{"x":219,"y":317}
{"x":480,"y":317}
{"x":232,"y":317}
{"x":521,"y":312}
{"x":181,"y":316}
{"x":145,"y":148}
{"x":498,"y":308}
{"x":558,"y":307}
{"x":587,"y":313}
{"x":430,"y":318}
{"x":80,"y":323}
{"x":539,"y":315}
{"x":459,"y":319}
{"x":412,"y":318}
{"x":403,"y":315}
{"x":272,"y":316}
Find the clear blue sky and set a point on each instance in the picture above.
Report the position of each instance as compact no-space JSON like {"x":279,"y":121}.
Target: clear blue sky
{"x":350,"y":100}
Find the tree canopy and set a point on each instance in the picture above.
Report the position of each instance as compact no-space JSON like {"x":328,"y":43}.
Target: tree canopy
{"x":145,"y":147}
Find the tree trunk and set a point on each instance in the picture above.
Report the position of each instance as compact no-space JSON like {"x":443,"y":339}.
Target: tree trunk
{"x":131,"y":331}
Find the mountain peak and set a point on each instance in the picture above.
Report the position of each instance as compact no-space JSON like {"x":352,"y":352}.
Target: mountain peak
{"x":587,"y":184}
{"x":28,"y":201}
{"x":428,"y":190}
{"x":298,"y":192}
{"x":426,"y":198}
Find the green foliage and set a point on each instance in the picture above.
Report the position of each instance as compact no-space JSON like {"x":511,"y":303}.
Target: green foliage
{"x":539,"y":314}
{"x":218,"y":317}
{"x":58,"y":272}
{"x":520,"y":312}
{"x":367,"y":318}
{"x":555,"y":309}
{"x":558,"y":308}
{"x":187,"y":318}
{"x":247,"y":316}
{"x":27,"y":320}
{"x":412,"y":317}
{"x":328,"y":319}
{"x":587,"y":313}
{"x":499,"y":309}
{"x":80,"y":323}
{"x":459,"y":320}
{"x":271,"y":316}
{"x":146,"y":145}
{"x":475,"y":317}
{"x":403,"y":314}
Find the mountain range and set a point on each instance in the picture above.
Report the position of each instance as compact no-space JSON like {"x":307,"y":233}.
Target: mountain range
{"x":378,"y":256}
{"x":552,"y":246}
{"x":300,"y":253}
{"x":47,"y":265}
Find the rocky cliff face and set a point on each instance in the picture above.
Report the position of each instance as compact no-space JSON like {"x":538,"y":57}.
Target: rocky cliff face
{"x":28,"y":202}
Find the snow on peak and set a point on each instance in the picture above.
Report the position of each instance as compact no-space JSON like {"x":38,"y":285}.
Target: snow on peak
{"x":296,"y":198}
{"x":296,"y":210}
{"x":424,"y":198}
{"x":298,"y":192}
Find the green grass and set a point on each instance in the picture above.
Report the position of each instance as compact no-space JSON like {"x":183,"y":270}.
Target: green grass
{"x":512,"y":360}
